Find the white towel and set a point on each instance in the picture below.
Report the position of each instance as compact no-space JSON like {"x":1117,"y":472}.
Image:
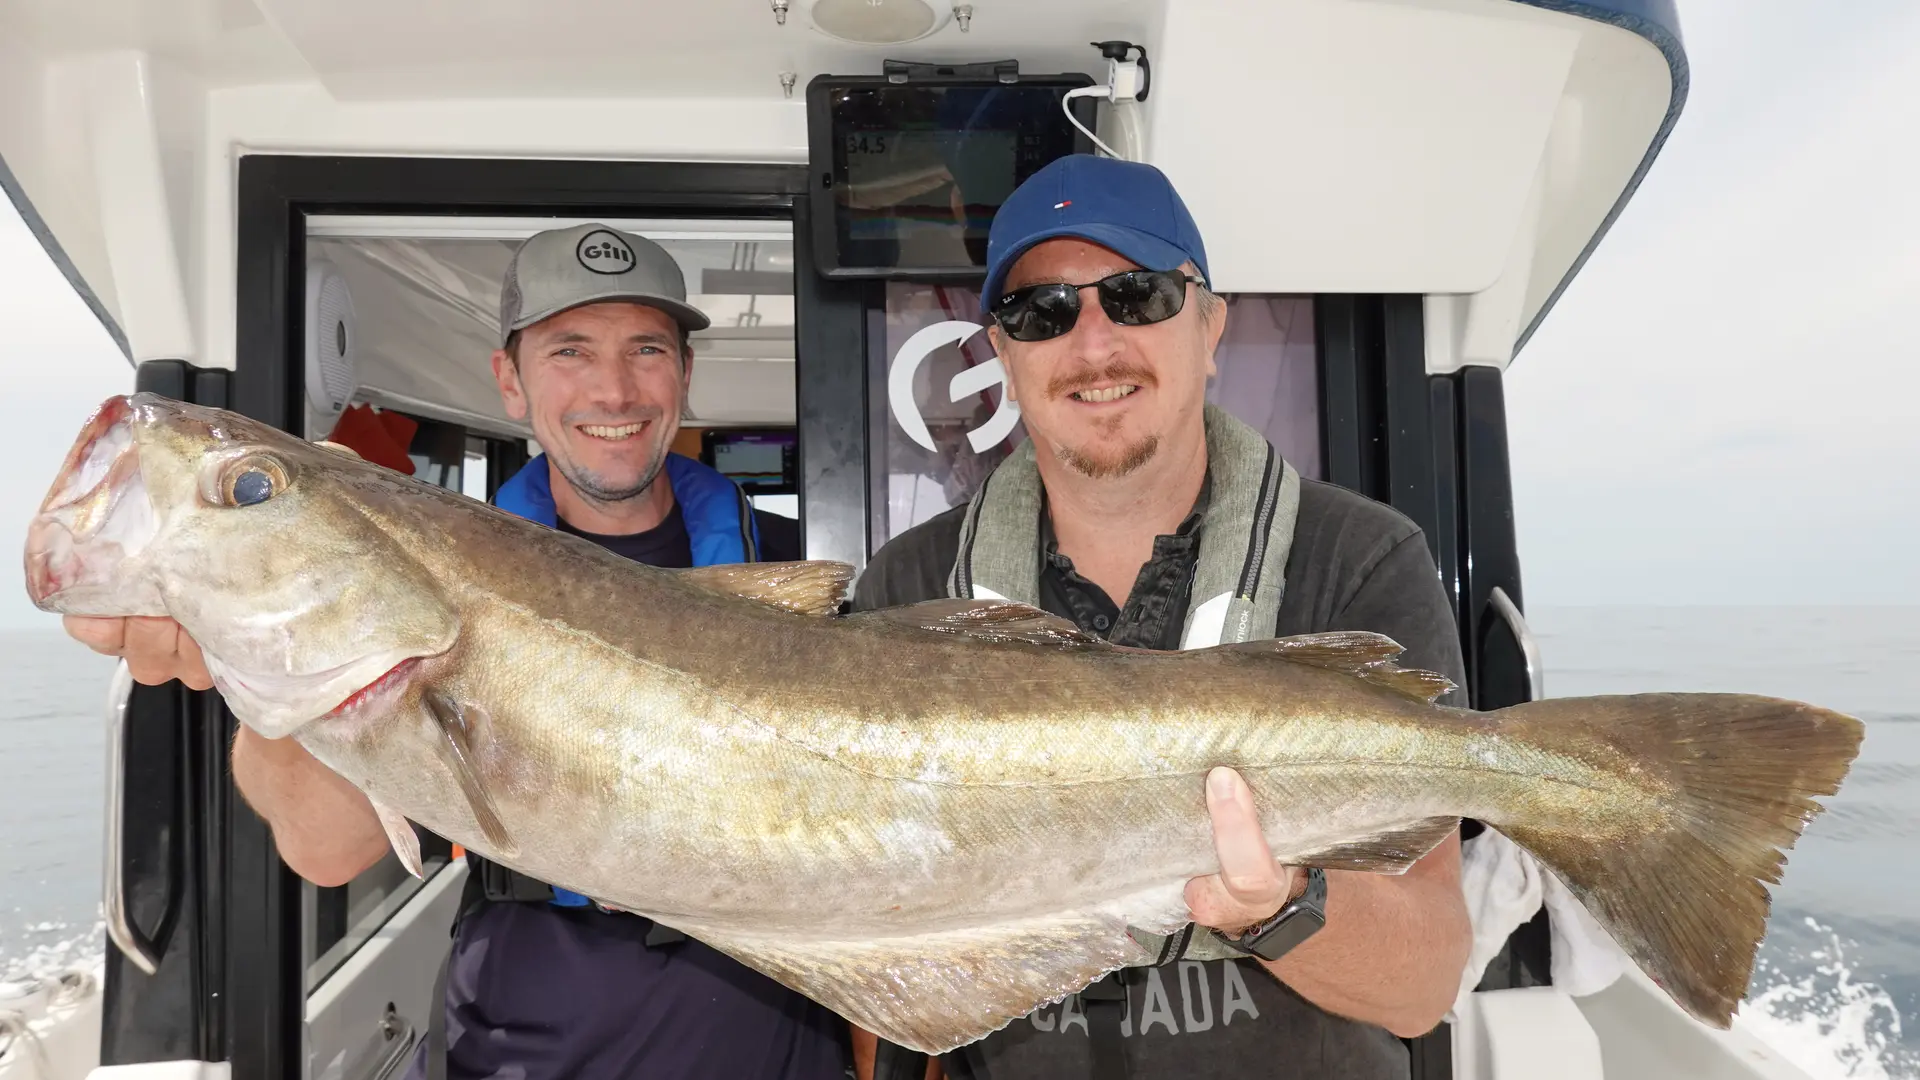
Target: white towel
{"x":1504,"y":886}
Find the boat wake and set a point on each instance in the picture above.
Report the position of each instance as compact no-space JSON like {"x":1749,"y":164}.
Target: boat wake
{"x":1811,"y":1008}
{"x":46,"y":961}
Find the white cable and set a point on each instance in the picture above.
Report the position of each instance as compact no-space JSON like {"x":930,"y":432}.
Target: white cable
{"x":19,"y":1034}
{"x":77,"y":983}
{"x":1126,"y":120}
{"x":1066,"y":106}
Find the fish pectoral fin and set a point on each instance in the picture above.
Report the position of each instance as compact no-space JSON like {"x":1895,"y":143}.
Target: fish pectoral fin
{"x":1390,"y":851}
{"x":406,"y":842}
{"x":1368,"y":657}
{"x":811,"y":587}
{"x":987,"y":620}
{"x":457,"y":723}
{"x":933,"y":992}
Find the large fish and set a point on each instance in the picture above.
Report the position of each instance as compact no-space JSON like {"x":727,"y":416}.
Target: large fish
{"x":932,"y":819}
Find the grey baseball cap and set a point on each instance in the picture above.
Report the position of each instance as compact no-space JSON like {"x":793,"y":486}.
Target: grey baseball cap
{"x":564,"y":268}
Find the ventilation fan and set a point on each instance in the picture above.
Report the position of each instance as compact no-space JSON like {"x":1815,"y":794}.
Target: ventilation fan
{"x":331,"y":340}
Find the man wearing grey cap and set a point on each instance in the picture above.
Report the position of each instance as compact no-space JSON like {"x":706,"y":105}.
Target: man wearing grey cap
{"x":595,"y":354}
{"x":541,"y":983}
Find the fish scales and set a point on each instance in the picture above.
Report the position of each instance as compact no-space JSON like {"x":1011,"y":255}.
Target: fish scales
{"x":801,"y":793}
{"x":933,"y":819}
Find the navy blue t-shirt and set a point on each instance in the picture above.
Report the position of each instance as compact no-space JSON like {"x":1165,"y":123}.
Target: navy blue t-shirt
{"x":540,"y":992}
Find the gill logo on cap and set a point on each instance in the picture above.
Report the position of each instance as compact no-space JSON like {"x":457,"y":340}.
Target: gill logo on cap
{"x":603,"y":252}
{"x":906,"y":363}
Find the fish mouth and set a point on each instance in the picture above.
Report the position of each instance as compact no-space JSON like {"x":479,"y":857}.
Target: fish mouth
{"x":95,"y":518}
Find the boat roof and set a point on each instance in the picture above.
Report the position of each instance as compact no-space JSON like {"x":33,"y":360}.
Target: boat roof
{"x":1470,"y":151}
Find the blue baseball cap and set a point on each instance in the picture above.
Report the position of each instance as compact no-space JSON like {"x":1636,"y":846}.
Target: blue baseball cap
{"x":1125,"y":206}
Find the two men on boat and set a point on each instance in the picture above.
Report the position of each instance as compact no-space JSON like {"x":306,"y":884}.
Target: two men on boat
{"x":1133,"y":508}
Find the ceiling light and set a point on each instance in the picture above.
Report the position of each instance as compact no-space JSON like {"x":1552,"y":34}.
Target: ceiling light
{"x":877,"y":22}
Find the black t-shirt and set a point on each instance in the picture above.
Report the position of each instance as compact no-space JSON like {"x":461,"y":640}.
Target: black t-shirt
{"x":1355,"y":564}
{"x":669,"y":544}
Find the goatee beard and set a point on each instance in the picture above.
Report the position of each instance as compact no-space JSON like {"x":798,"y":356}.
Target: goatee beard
{"x":1106,"y":467}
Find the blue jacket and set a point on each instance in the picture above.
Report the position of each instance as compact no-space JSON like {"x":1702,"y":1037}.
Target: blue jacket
{"x":719,"y":518}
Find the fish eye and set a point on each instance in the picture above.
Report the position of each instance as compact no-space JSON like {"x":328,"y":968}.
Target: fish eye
{"x":252,"y":486}
{"x":249,"y":481}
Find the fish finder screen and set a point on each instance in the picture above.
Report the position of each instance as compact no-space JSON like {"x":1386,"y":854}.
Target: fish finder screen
{"x":944,"y":184}
{"x":918,"y":172}
{"x":761,"y":462}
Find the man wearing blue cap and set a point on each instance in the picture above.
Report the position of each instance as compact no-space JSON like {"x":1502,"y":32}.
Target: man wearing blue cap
{"x":1155,"y":520}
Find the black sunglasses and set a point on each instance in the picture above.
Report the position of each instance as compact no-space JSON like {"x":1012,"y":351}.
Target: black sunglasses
{"x":1130,"y":298}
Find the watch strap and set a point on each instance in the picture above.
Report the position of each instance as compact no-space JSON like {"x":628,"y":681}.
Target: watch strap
{"x":1296,"y":921}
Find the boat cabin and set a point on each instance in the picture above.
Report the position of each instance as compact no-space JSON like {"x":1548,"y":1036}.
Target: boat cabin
{"x":303,"y":212}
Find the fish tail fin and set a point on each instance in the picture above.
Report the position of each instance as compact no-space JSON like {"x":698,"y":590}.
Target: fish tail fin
{"x":1683,"y":895}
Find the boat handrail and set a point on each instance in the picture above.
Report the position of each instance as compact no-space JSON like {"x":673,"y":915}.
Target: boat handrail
{"x":1523,"y":636}
{"x":119,"y":925}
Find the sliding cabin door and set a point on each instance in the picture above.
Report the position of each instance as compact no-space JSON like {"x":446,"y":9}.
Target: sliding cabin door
{"x":1435,"y":448}
{"x":173,"y":837}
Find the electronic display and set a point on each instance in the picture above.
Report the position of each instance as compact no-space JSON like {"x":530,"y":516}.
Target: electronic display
{"x":908,"y":176}
{"x":763,"y":461}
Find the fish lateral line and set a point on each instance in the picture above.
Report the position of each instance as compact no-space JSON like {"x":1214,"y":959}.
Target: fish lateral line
{"x":936,"y":773}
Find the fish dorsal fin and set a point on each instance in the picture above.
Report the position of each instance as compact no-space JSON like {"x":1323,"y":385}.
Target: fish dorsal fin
{"x":810,"y":587}
{"x":986,"y":620}
{"x":1364,"y":655}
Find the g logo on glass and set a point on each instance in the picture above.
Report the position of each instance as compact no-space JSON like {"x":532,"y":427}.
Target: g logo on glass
{"x":604,"y":253}
{"x":906,"y":363}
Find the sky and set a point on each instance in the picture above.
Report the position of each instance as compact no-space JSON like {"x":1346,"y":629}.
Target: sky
{"x":1724,"y":408}
{"x":61,"y":366}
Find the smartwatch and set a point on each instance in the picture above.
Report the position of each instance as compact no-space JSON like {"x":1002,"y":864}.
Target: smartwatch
{"x":1294,"y":923}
